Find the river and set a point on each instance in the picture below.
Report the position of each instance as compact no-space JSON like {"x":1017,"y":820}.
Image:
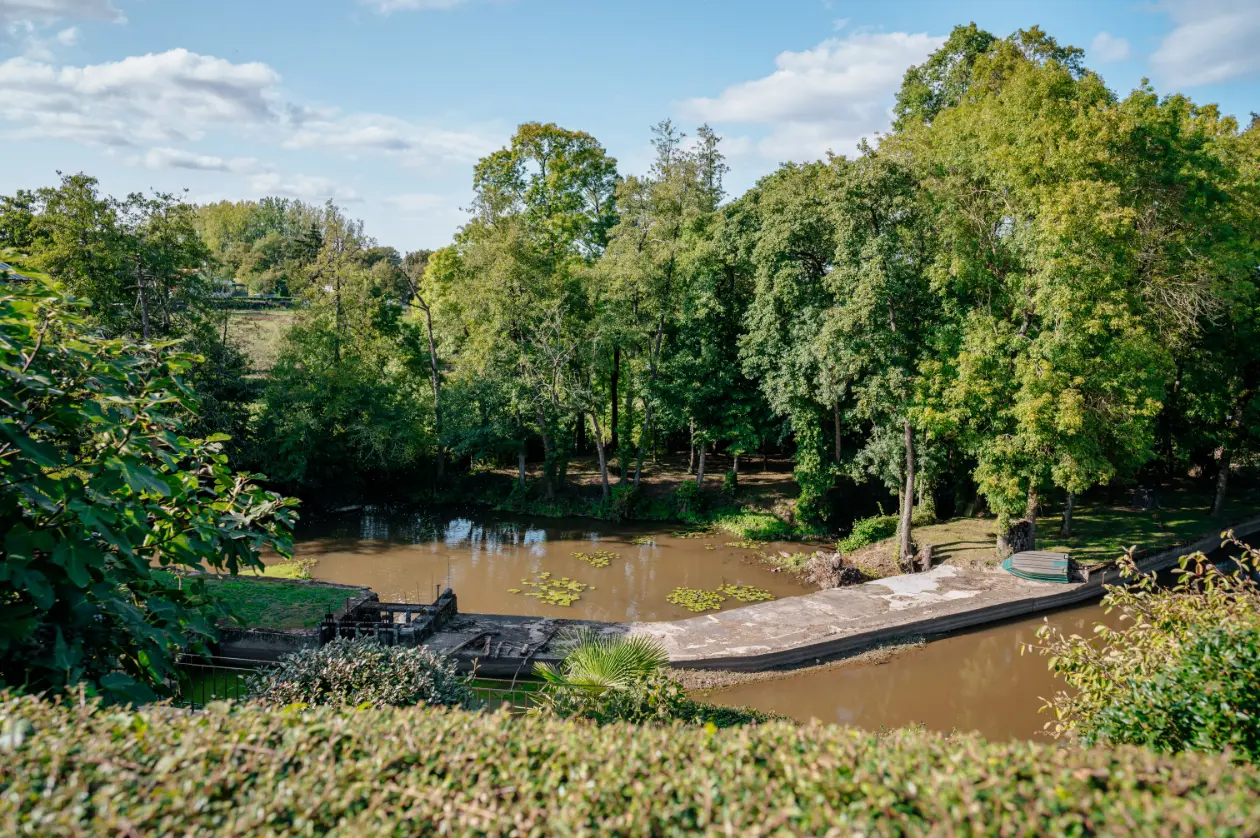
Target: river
{"x":972,"y":681}
{"x":406,"y":555}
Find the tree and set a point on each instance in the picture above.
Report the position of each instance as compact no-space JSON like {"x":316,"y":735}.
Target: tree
{"x":103,"y":500}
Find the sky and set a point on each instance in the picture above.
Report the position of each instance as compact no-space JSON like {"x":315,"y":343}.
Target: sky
{"x":385,"y":105}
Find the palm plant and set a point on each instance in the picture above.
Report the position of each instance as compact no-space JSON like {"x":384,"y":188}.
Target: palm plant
{"x":598,"y":662}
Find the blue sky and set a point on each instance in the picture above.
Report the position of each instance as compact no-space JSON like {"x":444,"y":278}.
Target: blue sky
{"x":384,"y":105}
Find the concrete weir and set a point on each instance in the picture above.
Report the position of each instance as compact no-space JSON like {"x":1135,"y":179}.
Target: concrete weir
{"x":801,"y":629}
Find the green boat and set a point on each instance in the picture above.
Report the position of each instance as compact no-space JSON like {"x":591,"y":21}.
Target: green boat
{"x":1040,"y":566}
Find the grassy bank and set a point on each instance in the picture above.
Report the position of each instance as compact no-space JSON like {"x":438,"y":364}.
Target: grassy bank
{"x":277,"y":603}
{"x":1101,"y":530}
{"x":249,"y":771}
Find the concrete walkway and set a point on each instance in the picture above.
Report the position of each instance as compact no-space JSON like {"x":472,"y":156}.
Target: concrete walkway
{"x":801,"y":629}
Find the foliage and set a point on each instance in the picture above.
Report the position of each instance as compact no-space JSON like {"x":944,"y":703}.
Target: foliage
{"x":1207,"y":700}
{"x":563,"y":591}
{"x":1161,"y":626}
{"x":599,"y":558}
{"x":695,"y":599}
{"x":101,"y":490}
{"x":361,"y":672}
{"x":596,"y":662}
{"x":405,"y":771}
{"x":688,"y":499}
{"x":656,"y":699}
{"x":746,"y":593}
{"x":867,"y":531}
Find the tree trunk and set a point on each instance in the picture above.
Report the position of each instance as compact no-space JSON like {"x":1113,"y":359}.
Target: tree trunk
{"x":612,"y":387}
{"x":143,"y":300}
{"x":1222,"y":482}
{"x":653,"y":357}
{"x":835,"y":415}
{"x":700,"y":471}
{"x":436,"y":380}
{"x":735,"y":464}
{"x":907,"y":502}
{"x":579,"y":442}
{"x":691,"y":461}
{"x":549,"y":457}
{"x":1068,"y":505}
{"x":1030,"y":515}
{"x":628,"y":419}
{"x":520,"y":466}
{"x":599,"y":449}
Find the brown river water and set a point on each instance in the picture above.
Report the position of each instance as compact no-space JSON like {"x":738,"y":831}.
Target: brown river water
{"x":971,"y":681}
{"x":404,"y":556}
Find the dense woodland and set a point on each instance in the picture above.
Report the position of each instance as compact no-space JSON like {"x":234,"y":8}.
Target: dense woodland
{"x":1029,"y":288}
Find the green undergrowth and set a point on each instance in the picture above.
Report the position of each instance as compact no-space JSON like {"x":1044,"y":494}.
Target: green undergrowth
{"x":248,"y":770}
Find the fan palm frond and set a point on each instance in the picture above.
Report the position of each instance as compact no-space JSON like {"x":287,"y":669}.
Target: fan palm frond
{"x":599,"y":662}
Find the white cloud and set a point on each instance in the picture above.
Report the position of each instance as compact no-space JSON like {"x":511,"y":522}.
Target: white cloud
{"x":1212,"y":41}
{"x":68,"y":37}
{"x":408,"y":143}
{"x":1107,"y":48}
{"x":417,"y":203}
{"x":49,"y":11}
{"x":178,"y":96}
{"x":173,"y":95}
{"x":174,"y":158}
{"x":302,"y":187}
{"x":821,"y":99}
{"x":387,"y":6}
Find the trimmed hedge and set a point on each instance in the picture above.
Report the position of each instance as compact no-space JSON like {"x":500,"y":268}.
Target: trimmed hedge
{"x":248,"y":771}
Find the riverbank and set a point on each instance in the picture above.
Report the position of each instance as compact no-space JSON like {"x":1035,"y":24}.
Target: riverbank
{"x":821,"y":625}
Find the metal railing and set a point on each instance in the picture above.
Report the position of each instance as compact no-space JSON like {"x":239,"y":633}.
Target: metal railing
{"x":201,"y":680}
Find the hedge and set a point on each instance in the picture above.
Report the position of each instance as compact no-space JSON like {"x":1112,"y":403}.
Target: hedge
{"x":244,"y":770}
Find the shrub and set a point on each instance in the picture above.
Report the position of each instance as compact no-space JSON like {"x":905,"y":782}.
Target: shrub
{"x":102,"y":492}
{"x":249,"y":770}
{"x":1160,"y":629}
{"x":361,"y":671}
{"x":657,"y":699}
{"x":868,"y":531}
{"x":730,"y":484}
{"x":624,"y":503}
{"x":1208,"y":700}
{"x":688,"y":499}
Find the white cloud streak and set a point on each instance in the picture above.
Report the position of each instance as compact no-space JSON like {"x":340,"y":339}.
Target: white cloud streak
{"x":820,"y":99}
{"x":1107,"y":48}
{"x":1212,"y":41}
{"x":49,"y":11}
{"x":174,"y":158}
{"x":386,"y":7}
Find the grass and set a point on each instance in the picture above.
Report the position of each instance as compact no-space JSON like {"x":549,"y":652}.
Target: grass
{"x":1101,"y":531}
{"x":258,"y":334}
{"x":270,"y":605}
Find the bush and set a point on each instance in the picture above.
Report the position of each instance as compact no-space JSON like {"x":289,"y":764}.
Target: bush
{"x":361,"y":671}
{"x":868,"y":531}
{"x":624,"y":503}
{"x":730,"y":484}
{"x":1163,"y":632}
{"x":1208,"y":700}
{"x":688,"y":499}
{"x":249,"y":770}
{"x":103,"y":494}
{"x":658,"y":699}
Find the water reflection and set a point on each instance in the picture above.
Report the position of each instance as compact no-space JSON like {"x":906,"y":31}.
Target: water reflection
{"x":408,"y":555}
